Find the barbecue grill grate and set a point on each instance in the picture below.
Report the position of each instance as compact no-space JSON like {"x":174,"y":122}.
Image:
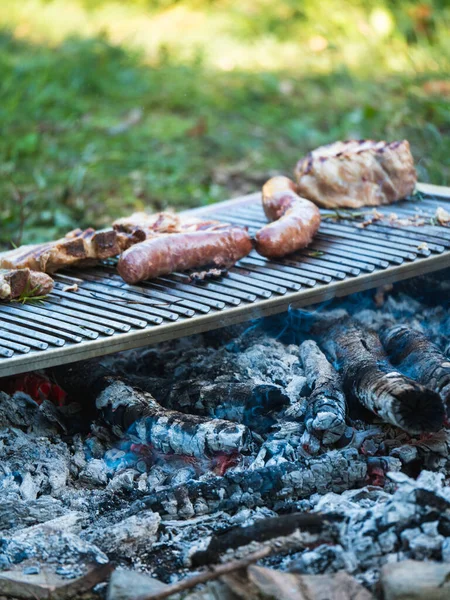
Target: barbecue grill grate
{"x":106,"y":315}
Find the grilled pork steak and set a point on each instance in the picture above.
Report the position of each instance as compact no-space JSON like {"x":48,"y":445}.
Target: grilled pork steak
{"x":357,"y":173}
{"x":146,"y":225}
{"x":16,"y":283}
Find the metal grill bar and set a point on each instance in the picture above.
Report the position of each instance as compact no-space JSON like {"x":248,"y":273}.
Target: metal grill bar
{"x":92,"y":312}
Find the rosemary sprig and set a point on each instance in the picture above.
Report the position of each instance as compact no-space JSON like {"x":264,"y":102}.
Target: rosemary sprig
{"x":344,"y":215}
{"x":28,"y":296}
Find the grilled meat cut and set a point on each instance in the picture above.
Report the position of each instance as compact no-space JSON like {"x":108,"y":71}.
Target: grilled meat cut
{"x":21,"y":283}
{"x":295,"y":220}
{"x":161,"y":254}
{"x":163,"y":222}
{"x":77,"y":247}
{"x":357,"y":173}
{"x":146,"y":225}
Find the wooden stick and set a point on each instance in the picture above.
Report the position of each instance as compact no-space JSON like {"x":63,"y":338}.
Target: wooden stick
{"x":216,"y":572}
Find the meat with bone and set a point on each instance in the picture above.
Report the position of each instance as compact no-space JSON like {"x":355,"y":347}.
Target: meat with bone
{"x":415,"y":354}
{"x":357,"y":173}
{"x":168,"y":431}
{"x":20,"y":283}
{"x":77,"y":247}
{"x":163,"y":222}
{"x":295,"y":220}
{"x":326,"y":406}
{"x":369,"y":378}
{"x":166,"y":253}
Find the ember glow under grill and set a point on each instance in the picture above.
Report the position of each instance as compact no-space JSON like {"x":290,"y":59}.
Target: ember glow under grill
{"x":106,"y":315}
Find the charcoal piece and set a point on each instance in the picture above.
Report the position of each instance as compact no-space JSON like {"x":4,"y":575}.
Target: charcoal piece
{"x":240,"y":402}
{"x":63,"y":554}
{"x":24,"y":513}
{"x":261,"y":531}
{"x":203,"y":397}
{"x":265,"y":400}
{"x":416,"y":355}
{"x":127,"y":538}
{"x":336,"y":471}
{"x":122,"y":405}
{"x":82,"y":381}
{"x":370,"y":379}
{"x":168,"y":431}
{"x":326,"y":407}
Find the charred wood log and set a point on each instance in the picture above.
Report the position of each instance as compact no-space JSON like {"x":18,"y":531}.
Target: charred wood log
{"x":336,"y":471}
{"x":131,"y":410}
{"x":261,"y":531}
{"x":326,"y":406}
{"x":369,"y":378}
{"x":417,"y":356}
{"x":240,"y":402}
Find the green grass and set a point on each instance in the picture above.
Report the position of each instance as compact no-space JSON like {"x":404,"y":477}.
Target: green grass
{"x":69,"y":159}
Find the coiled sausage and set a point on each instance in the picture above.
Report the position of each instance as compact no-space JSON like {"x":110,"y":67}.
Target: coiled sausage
{"x":295,"y":219}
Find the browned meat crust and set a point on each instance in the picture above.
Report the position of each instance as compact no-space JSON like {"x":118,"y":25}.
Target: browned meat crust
{"x":166,"y":253}
{"x":78,"y":247}
{"x":163,"y":222}
{"x":357,"y":173}
{"x":16,"y":283}
{"x":146,"y":225}
{"x":295,"y":219}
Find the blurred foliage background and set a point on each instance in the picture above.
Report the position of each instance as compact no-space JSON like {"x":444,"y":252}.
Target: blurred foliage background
{"x":107,"y":107}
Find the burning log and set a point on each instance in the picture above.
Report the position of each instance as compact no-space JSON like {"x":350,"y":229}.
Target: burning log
{"x":369,"y":378}
{"x":416,"y":355}
{"x":134,"y":411}
{"x":290,"y":481}
{"x":326,"y":406}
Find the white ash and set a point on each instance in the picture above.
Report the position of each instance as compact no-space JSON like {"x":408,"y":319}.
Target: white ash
{"x":49,"y":469}
{"x":378,"y":528}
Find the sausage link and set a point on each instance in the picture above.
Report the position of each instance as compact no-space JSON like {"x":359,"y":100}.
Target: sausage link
{"x":295,"y":219}
{"x":165,"y":254}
